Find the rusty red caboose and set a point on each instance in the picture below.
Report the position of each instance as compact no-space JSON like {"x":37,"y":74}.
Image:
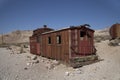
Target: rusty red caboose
{"x":64,"y":44}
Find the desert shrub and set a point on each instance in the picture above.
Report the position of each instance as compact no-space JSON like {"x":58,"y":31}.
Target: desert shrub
{"x":114,"y":42}
{"x":22,"y":50}
{"x":25,"y":45}
{"x":4,"y":45}
{"x":99,"y":38}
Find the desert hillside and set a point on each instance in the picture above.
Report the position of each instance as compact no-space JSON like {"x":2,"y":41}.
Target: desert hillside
{"x":16,"y":36}
{"x":101,"y":35}
{"x":23,"y":36}
{"x":17,"y":65}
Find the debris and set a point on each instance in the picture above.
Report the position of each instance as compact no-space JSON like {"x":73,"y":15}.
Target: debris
{"x":118,"y":44}
{"x":114,"y":42}
{"x":49,"y":66}
{"x":28,"y":57}
{"x":67,"y":73}
{"x":28,"y":64}
{"x":55,"y":62}
{"x":34,"y":57}
{"x":16,"y":77}
{"x":78,"y":71}
{"x":35,"y":61}
{"x":42,"y":60}
{"x":25,"y":68}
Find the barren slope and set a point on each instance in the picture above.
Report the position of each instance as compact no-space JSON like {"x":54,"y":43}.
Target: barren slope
{"x":16,"y":36}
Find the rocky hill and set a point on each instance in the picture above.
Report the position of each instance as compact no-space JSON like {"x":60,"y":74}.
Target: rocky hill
{"x":16,"y":36}
{"x":22,"y":66}
{"x":25,"y":66}
{"x":102,"y":35}
{"x":23,"y":36}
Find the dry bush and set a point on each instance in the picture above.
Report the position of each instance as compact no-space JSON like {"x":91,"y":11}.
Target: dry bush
{"x":99,"y":38}
{"x":114,"y":42}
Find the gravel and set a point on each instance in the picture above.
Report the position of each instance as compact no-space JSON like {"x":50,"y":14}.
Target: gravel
{"x":22,"y":67}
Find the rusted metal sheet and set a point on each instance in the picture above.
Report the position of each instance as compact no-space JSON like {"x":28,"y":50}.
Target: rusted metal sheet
{"x":115,"y":31}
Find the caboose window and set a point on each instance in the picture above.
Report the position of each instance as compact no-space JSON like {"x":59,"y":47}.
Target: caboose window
{"x":82,"y":33}
{"x":49,"y":40}
{"x":58,"y":39}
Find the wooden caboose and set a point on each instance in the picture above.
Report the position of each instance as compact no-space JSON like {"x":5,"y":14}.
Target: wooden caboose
{"x":64,"y":44}
{"x":35,"y":44}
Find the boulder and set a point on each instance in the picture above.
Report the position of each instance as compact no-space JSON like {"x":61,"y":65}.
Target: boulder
{"x":67,"y":73}
{"x":34,"y":57}
{"x":49,"y":66}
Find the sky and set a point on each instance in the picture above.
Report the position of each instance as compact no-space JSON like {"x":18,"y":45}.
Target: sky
{"x":57,"y":14}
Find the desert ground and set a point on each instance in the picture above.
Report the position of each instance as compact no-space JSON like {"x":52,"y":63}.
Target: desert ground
{"x":25,"y":66}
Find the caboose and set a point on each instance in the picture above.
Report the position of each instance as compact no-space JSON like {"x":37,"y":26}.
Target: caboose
{"x":35,"y":44}
{"x":67,"y":45}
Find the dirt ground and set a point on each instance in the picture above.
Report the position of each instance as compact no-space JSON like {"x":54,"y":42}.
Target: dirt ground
{"x":22,"y":67}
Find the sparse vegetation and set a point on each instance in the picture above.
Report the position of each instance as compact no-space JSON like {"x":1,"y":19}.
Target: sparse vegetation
{"x":101,"y":38}
{"x":16,"y":37}
{"x":4,"y":45}
{"x":114,"y":42}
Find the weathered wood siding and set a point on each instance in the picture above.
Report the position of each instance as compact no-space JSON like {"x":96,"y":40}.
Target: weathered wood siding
{"x":55,"y":50}
{"x":34,"y":46}
{"x":81,"y":46}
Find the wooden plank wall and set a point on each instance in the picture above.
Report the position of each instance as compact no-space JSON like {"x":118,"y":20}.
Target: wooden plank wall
{"x":55,"y":50}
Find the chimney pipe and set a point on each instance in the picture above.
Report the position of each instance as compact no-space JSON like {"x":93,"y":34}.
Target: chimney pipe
{"x":45,"y":26}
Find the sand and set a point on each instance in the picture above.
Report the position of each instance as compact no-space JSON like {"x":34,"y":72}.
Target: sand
{"x":19,"y":66}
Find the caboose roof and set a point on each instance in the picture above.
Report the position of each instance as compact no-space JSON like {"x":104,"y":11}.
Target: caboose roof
{"x":69,"y":28}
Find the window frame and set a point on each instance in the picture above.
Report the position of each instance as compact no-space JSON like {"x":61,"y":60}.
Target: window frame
{"x":49,"y":40}
{"x":58,"y":39}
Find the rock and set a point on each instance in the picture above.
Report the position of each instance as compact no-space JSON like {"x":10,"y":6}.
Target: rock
{"x":55,"y":62}
{"x":35,"y":61}
{"x":34,"y":57}
{"x":113,"y":43}
{"x":119,"y":44}
{"x":49,"y":66}
{"x":29,"y":79}
{"x":67,"y":73}
{"x":78,"y":71}
{"x":28,"y":64}
{"x":25,"y":68}
{"x":42,"y":60}
{"x":28,"y":56}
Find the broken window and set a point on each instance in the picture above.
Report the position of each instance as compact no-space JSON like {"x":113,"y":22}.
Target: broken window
{"x":58,"y":39}
{"x":49,"y":40}
{"x":82,"y":33}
